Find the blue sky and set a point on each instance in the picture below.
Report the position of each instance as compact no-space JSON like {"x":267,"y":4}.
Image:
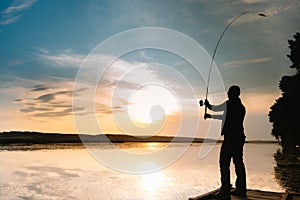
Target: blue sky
{"x":43,"y":43}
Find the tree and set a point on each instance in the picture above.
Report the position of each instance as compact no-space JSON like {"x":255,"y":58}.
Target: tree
{"x":285,"y":112}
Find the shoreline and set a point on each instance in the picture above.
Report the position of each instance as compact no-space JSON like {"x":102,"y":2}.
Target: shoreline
{"x":30,"y":138}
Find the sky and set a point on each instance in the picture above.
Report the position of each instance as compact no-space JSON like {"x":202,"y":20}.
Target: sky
{"x":72,"y":66}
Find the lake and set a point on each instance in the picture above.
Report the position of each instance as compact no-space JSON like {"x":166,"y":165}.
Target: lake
{"x":73,"y":173}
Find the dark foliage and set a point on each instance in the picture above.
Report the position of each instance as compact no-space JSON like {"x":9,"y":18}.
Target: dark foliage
{"x":285,"y":112}
{"x":287,"y":169}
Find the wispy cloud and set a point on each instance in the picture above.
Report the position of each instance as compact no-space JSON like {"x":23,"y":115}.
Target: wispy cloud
{"x":41,"y":87}
{"x":114,"y":68}
{"x":16,"y":62}
{"x":65,"y":59}
{"x":50,"y":96}
{"x":238,"y":63}
{"x":253,"y":1}
{"x":15,"y":11}
{"x":55,"y":103}
{"x":104,"y":109}
{"x":68,"y":58}
{"x":32,"y":109}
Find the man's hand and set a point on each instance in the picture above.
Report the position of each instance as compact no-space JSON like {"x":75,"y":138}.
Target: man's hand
{"x":206,"y":102}
{"x":207,"y":116}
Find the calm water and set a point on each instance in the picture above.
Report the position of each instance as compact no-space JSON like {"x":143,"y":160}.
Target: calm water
{"x":71,"y":172}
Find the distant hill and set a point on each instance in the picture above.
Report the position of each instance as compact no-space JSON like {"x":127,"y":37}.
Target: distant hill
{"x":46,"y":138}
{"x":28,"y":137}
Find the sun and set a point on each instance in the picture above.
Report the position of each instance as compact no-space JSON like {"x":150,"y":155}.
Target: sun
{"x":151,"y":103}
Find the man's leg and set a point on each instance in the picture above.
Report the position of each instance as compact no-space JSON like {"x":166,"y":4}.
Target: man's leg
{"x":240,"y":171}
{"x":225,"y":158}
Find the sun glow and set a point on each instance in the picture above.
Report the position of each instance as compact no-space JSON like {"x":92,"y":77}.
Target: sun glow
{"x":151,"y":103}
{"x":153,"y":181}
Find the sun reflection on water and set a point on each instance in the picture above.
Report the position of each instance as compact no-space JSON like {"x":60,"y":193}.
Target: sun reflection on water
{"x":152,"y":182}
{"x":152,"y":146}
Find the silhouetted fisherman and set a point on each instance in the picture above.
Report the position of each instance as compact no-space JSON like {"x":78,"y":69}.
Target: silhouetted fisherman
{"x":234,"y":140}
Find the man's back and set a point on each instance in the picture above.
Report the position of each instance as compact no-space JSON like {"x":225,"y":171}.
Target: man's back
{"x":233,"y":126}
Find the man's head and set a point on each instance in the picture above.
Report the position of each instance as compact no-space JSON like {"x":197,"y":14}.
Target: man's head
{"x":234,"y":92}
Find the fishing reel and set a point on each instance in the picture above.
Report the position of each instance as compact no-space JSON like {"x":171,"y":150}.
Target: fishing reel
{"x":201,"y":102}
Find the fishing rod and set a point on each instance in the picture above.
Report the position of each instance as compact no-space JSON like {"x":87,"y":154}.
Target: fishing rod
{"x":212,"y":60}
